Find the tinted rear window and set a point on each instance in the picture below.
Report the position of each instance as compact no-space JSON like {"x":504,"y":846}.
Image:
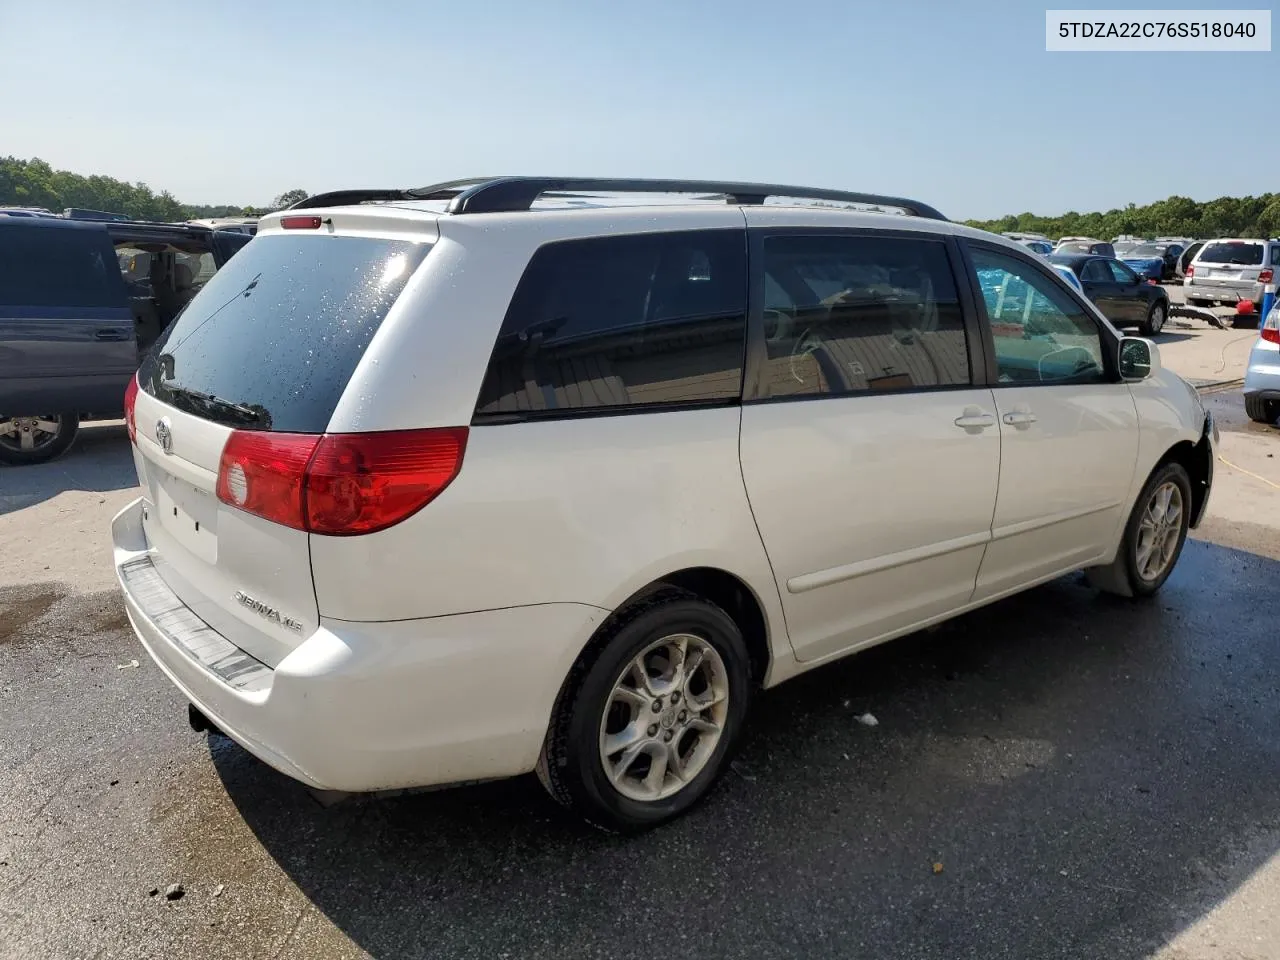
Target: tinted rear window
{"x":624,"y":322}
{"x":280,"y":329}
{"x":1243,"y":254}
{"x":51,"y":267}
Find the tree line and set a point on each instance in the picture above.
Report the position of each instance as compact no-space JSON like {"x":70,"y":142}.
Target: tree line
{"x":33,"y":183}
{"x":1174,"y":217}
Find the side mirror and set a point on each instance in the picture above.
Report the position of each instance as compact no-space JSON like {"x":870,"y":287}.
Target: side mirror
{"x":1137,"y":359}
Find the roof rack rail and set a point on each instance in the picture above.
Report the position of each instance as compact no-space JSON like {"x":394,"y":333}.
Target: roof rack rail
{"x":346,"y":198}
{"x":505,"y":194}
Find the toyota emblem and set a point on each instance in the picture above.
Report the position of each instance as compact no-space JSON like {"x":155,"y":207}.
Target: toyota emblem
{"x":164,"y":435}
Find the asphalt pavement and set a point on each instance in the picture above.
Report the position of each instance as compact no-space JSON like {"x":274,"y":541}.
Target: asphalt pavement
{"x":1061,"y":774}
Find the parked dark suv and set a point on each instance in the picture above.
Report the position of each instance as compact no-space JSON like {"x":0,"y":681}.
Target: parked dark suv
{"x":79,"y":301}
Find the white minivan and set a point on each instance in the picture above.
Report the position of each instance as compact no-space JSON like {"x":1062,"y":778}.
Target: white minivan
{"x":524,"y":474}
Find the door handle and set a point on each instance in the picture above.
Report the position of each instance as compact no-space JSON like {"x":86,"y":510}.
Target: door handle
{"x":1020,"y":418}
{"x":111,"y":335}
{"x":975,"y":419}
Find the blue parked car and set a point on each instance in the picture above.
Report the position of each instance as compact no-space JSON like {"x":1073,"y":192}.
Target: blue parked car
{"x":1153,"y":261}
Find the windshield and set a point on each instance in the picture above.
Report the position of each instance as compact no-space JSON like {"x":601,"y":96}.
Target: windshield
{"x":1233,"y":251}
{"x":278,"y":331}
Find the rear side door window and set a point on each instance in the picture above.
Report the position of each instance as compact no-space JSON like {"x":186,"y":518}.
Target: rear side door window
{"x":1122,"y":274}
{"x":1095,"y":271}
{"x":856,"y":313}
{"x":648,"y":321}
{"x":1040,"y":334}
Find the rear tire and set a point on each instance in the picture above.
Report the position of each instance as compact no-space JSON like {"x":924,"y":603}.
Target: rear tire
{"x":631,"y":691}
{"x":37,"y":439}
{"x":1261,"y":410}
{"x":1153,"y":537}
{"x":1156,"y":315}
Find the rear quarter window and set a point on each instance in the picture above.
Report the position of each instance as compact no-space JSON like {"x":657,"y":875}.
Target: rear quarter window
{"x":52,"y":267}
{"x":280,"y":328}
{"x":622,"y":322}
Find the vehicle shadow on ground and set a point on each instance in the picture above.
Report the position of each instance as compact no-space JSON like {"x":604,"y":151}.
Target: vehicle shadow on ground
{"x":1060,"y":774}
{"x":100,"y":460}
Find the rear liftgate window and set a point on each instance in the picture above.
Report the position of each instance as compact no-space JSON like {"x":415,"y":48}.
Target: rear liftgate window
{"x":275,"y":334}
{"x":622,"y":323}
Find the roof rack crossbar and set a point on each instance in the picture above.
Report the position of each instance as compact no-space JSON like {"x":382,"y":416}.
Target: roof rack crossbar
{"x":505,"y":194}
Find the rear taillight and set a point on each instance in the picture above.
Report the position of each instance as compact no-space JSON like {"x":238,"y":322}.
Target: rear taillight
{"x":339,"y":484}
{"x":1265,"y":276}
{"x":1271,"y":329}
{"x":130,"y":401}
{"x":265,"y":473}
{"x":1191,"y":271}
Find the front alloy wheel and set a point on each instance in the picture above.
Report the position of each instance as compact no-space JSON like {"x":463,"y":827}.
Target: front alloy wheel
{"x":1160,"y":532}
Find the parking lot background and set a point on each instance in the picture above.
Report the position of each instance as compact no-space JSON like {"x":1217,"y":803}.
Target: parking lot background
{"x":1061,"y":774}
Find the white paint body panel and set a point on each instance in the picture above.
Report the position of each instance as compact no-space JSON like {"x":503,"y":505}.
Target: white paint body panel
{"x":875,"y":511}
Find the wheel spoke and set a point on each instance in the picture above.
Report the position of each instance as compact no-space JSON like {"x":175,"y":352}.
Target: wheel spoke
{"x":691,"y":666}
{"x":632,"y":697}
{"x":619,"y":769}
{"x":707,"y":700}
{"x":8,"y":428}
{"x":630,"y":734}
{"x":640,"y":676}
{"x":657,"y":774}
{"x":27,"y":440}
{"x":703,"y":725}
{"x":675,"y":763}
{"x":48,"y":426}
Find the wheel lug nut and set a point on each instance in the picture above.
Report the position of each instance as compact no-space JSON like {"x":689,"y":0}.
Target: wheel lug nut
{"x":666,"y":737}
{"x":653,"y":730}
{"x":657,"y":706}
{"x":675,"y":697}
{"x":683,"y":716}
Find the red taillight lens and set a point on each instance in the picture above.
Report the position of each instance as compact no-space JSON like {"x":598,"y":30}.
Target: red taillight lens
{"x":362,"y":482}
{"x":1265,"y":276}
{"x":300,"y":223}
{"x":130,"y":401}
{"x":265,"y":473}
{"x":339,"y":484}
{"x":1191,"y":271}
{"x":1271,"y":329}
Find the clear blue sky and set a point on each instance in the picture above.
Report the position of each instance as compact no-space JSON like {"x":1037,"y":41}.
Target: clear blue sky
{"x":956,"y":103}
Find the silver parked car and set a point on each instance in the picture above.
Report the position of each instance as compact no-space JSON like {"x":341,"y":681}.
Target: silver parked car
{"x":1262,"y":378}
{"x":1228,"y":270}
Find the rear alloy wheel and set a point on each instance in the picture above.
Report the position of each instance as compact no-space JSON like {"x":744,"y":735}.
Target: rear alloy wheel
{"x":1261,"y":410}
{"x":36,"y":439}
{"x":1155,"y":320}
{"x":643,"y":730}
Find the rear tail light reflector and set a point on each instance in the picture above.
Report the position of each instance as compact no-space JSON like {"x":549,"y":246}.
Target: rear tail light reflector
{"x":1265,"y":276}
{"x":130,"y":402}
{"x":339,"y":484}
{"x":1191,"y":271}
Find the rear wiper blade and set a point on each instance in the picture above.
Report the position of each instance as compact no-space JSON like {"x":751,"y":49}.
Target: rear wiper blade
{"x":246,"y":413}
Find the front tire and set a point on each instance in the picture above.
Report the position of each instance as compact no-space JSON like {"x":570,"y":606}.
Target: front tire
{"x":1154,"y":323}
{"x":645,"y":725}
{"x":1261,"y":410}
{"x":37,"y":439}
{"x":1153,"y":537}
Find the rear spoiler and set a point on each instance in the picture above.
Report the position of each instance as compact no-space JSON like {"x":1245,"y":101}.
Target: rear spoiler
{"x":347,"y":198}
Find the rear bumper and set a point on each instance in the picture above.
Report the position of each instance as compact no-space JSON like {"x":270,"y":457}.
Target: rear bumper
{"x":1262,"y":375}
{"x":368,"y":706}
{"x":1226,"y":290}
